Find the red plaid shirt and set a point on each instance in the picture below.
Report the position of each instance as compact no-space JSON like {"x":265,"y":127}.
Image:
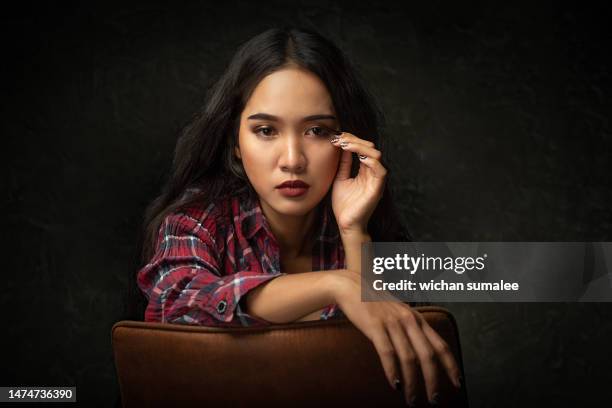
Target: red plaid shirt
{"x":206,"y":260}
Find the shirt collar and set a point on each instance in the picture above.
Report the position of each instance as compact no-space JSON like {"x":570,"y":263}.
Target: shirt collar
{"x":250,"y":215}
{"x":252,"y":219}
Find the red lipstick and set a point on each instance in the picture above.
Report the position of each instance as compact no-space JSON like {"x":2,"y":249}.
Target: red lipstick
{"x":293,"y":188}
{"x":293,"y":183}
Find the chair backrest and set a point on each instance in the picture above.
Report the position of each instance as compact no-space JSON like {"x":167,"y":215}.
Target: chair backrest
{"x":311,"y":363}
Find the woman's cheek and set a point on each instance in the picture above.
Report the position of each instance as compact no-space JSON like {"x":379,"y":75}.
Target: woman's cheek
{"x":327,"y":166}
{"x":254,"y":169}
{"x":331,"y":161}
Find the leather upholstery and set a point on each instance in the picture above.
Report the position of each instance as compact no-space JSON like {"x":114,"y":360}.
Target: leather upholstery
{"x":312,"y":363}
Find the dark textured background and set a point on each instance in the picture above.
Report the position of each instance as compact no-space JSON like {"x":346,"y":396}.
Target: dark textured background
{"x":499,"y":115}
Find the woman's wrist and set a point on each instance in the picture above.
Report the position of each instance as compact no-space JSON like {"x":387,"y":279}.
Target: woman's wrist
{"x":352,"y":233}
{"x":352,"y":248}
{"x":339,"y":282}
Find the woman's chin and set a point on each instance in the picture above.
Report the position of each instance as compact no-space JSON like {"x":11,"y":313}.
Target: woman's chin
{"x":294,"y":208}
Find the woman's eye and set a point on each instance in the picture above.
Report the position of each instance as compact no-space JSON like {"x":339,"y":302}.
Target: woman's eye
{"x":263,"y":131}
{"x":323,"y":132}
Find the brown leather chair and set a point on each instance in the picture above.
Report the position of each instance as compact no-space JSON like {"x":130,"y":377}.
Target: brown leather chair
{"x":311,"y":363}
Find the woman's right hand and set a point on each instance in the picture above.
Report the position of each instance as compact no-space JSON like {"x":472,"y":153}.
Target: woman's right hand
{"x":401,"y":336}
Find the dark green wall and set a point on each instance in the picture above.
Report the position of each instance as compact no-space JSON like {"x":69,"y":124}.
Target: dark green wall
{"x":500,"y":122}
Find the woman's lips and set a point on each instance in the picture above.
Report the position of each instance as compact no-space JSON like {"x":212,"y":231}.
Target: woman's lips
{"x":293,"y":191}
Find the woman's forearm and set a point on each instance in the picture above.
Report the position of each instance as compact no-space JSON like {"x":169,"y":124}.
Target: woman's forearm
{"x":302,"y":296}
{"x":293,"y":297}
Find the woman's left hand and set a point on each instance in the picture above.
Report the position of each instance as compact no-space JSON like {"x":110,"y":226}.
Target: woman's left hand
{"x":354,"y":199}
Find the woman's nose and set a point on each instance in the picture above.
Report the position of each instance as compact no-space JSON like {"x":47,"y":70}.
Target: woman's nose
{"x":293,"y":157}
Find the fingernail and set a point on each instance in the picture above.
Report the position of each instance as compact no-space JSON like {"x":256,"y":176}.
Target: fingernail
{"x":434,"y":399}
{"x":334,"y":139}
{"x":343,"y":144}
{"x":397,"y":384}
{"x":362,"y":157}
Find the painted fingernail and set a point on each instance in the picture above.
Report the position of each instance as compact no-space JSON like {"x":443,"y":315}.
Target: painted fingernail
{"x":344,"y":144}
{"x":334,"y":139}
{"x":362,"y":157}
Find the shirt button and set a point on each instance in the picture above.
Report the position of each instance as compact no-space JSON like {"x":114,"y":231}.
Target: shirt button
{"x":221,"y":306}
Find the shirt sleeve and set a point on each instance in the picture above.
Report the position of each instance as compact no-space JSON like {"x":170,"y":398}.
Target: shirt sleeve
{"x":331,"y":311}
{"x":183,"y":283}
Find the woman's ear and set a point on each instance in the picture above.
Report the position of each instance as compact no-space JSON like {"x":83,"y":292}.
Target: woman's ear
{"x":237,"y":152}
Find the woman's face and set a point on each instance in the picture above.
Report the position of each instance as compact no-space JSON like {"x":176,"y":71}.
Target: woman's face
{"x":289,"y":145}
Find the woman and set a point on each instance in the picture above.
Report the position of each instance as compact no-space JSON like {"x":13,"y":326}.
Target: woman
{"x":263,"y":216}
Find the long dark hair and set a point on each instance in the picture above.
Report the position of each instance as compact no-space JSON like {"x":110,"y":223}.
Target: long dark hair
{"x":204,"y":160}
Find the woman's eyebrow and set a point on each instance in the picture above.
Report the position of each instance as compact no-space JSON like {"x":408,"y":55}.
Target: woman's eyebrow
{"x":267,"y":116}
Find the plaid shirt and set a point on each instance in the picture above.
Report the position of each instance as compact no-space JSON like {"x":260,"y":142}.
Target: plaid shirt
{"x":206,"y":260}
